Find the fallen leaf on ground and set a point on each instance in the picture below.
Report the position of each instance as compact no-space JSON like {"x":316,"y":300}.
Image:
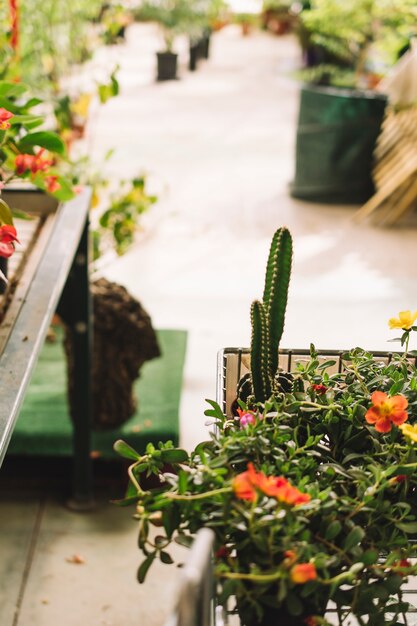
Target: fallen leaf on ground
{"x":76,"y":558}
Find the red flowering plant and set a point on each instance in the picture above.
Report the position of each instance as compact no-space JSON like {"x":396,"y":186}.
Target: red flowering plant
{"x":27,"y":149}
{"x":308,"y":483}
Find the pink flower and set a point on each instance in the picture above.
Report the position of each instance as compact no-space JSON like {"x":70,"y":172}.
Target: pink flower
{"x":5,"y":115}
{"x":246,"y":418}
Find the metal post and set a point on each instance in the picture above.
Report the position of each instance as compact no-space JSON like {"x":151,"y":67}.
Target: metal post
{"x":76,"y":310}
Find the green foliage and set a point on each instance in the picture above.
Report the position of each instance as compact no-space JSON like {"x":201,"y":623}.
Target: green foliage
{"x":120,"y":222}
{"x":355,"y":529}
{"x":360,"y":36}
{"x":178,"y":17}
{"x":356,"y":510}
{"x":54,"y":36}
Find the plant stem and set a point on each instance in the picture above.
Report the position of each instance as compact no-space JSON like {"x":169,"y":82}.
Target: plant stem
{"x":198,"y":496}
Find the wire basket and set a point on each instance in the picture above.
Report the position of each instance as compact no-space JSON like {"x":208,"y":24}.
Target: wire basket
{"x":232,"y":364}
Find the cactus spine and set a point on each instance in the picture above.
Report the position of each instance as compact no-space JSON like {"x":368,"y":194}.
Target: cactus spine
{"x":268,"y":316}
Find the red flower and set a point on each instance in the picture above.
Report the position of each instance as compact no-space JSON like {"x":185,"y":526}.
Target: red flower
{"x":319,"y":389}
{"x":311,"y":621}
{"x":401,"y":563}
{"x":401,"y":478}
{"x":5,"y":115}
{"x":386,"y":411}
{"x":247,"y":484}
{"x":52,"y":184}
{"x":7,"y":239}
{"x":33,"y":162}
{"x":302,"y":573}
{"x":222,"y":553}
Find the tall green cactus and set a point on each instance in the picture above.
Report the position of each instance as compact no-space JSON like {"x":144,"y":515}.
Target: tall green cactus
{"x":268,"y":316}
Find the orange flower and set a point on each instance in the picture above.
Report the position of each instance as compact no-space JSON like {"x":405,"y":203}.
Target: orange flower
{"x":302,"y":573}
{"x":243,"y":487}
{"x":246,"y":485}
{"x":386,"y":411}
{"x":52,"y":184}
{"x":5,"y":115}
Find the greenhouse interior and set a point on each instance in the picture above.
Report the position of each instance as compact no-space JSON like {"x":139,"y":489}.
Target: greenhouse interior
{"x":237,"y":180}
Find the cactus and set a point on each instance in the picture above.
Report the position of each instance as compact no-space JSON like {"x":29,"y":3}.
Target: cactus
{"x":268,"y":316}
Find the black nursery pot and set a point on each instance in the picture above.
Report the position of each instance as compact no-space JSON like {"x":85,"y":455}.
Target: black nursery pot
{"x":336,"y":137}
{"x":167,"y":65}
{"x":194,"y":56}
{"x":3,"y":267}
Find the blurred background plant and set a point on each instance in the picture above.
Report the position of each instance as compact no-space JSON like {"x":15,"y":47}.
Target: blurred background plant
{"x":120,"y":221}
{"x":354,"y":43}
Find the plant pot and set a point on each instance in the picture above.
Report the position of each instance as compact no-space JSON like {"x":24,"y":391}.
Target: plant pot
{"x":194,"y":56}
{"x":204,"y":45}
{"x":336,"y":137}
{"x":167,"y":65}
{"x":3,"y":267}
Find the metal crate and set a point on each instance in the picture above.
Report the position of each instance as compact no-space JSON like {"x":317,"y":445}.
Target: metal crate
{"x":232,"y":364}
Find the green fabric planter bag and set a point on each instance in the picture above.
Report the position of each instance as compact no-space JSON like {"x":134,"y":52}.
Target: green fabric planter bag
{"x":336,"y":136}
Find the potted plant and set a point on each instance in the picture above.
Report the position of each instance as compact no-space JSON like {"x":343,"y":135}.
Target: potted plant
{"x":309,"y":486}
{"x":173,"y":16}
{"x":350,"y":44}
{"x":277,"y":16}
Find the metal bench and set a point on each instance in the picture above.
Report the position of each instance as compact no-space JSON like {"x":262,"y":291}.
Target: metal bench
{"x":49,"y":271}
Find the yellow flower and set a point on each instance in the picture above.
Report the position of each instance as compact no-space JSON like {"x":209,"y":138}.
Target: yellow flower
{"x":405,"y":320}
{"x":409,"y":431}
{"x":80,"y":107}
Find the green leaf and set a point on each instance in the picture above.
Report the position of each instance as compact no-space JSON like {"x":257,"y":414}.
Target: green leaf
{"x":126,"y":451}
{"x":294,"y":605}
{"x":12,"y":90}
{"x":176,"y":455}
{"x":333,"y":530}
{"x":407,"y":527}
{"x":44,"y":139}
{"x":28,"y":121}
{"x":6,"y":216}
{"x":396,"y":387}
{"x":184,"y":540}
{"x":144,"y":567}
{"x":354,"y":538}
{"x":166,"y":557}
{"x":22,"y":215}
{"x":216,"y":412}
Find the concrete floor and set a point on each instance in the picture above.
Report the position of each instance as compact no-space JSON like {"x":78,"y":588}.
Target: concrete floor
{"x":218,"y":148}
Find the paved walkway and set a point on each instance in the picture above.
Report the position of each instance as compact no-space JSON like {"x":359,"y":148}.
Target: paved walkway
{"x":218,"y":146}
